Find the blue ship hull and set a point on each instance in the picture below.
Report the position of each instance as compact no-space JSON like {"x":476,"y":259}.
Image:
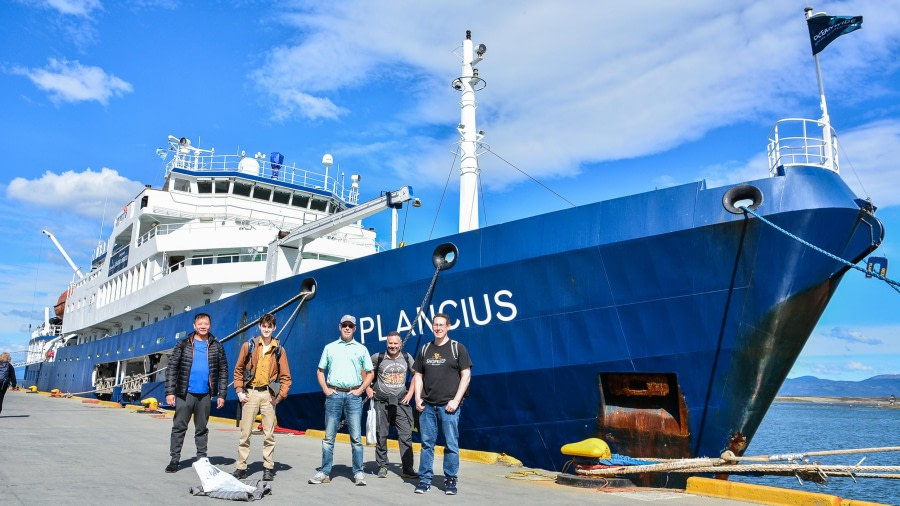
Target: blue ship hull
{"x":659,"y":322}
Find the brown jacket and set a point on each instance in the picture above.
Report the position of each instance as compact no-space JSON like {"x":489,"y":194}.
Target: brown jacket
{"x":279,"y":370}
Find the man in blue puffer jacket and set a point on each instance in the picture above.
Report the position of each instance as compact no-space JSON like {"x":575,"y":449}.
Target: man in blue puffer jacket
{"x":197,"y":372}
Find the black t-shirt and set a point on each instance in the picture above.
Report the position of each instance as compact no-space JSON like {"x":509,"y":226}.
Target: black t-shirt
{"x":440,"y":371}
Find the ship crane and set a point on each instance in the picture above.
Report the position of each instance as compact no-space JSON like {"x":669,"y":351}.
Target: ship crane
{"x":64,"y":254}
{"x":304,"y":234}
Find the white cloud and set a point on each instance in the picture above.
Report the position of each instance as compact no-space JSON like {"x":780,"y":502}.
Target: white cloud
{"x":561,"y":91}
{"x":70,"y":81}
{"x":852,"y":336}
{"x":77,"y":8}
{"x":858,"y":366}
{"x":84,"y":193}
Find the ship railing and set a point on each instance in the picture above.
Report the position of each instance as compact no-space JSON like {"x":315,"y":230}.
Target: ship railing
{"x":802,"y":142}
{"x":132,"y":384}
{"x":85,"y":280}
{"x":213,"y":222}
{"x":256,"y":256}
{"x":105,"y":385}
{"x":207,"y":161}
{"x":355,"y":239}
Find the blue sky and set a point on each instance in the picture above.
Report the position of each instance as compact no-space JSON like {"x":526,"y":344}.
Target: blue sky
{"x":596,"y":101}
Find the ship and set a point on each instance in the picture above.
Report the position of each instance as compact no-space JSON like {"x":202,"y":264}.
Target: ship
{"x":662,"y":322}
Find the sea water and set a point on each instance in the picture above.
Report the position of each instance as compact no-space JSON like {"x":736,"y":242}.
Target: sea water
{"x":792,"y":427}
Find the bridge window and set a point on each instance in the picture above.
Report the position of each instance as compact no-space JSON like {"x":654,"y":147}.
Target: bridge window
{"x":281,"y":197}
{"x":242,"y":189}
{"x":204,"y":187}
{"x":182,"y":185}
{"x":221,"y":186}
{"x":319,"y":205}
{"x":262,"y":193}
{"x":300,"y":201}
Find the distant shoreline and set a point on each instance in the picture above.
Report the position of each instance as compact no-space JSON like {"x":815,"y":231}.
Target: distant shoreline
{"x":879,"y":402}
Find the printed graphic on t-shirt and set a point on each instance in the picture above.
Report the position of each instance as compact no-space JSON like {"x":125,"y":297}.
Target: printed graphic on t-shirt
{"x":435,"y":359}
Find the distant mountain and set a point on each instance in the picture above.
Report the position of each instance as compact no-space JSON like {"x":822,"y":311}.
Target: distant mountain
{"x":876,"y":386}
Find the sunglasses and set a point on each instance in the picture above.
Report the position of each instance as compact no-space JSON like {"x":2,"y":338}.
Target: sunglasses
{"x":347,"y":325}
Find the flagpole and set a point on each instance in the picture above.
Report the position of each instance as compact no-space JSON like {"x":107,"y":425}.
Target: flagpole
{"x":826,"y":120}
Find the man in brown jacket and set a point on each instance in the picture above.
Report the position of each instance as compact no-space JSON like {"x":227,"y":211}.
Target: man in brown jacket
{"x":262,"y":380}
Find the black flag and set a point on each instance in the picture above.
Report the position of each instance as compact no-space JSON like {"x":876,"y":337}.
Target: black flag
{"x":824,"y":29}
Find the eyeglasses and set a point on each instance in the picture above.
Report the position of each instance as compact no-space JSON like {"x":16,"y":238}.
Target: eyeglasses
{"x":347,"y":326}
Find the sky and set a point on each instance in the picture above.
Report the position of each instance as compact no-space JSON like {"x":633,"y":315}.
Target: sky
{"x":595,"y":100}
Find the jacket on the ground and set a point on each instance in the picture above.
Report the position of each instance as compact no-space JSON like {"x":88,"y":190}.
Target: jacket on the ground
{"x":277,"y":370}
{"x":179,"y":371}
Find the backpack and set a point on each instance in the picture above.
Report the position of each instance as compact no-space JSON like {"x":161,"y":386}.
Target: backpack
{"x":274,"y":385}
{"x":4,"y":374}
{"x":454,"y":346}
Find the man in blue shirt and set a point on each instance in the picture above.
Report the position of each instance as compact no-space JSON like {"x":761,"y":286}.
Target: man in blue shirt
{"x":197,"y":372}
{"x":349,"y":374}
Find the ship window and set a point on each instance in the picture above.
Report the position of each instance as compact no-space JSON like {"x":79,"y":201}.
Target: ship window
{"x":180,"y":335}
{"x":131,"y":348}
{"x":242,"y":189}
{"x":281,"y":197}
{"x":204,"y":186}
{"x":318,"y":205}
{"x":300,"y":201}
{"x":221,"y":186}
{"x":160,"y":339}
{"x":262,"y":193}
{"x":182,"y":185}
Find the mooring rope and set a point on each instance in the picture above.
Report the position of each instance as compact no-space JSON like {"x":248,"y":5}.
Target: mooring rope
{"x":892,"y":283}
{"x":731,"y":457}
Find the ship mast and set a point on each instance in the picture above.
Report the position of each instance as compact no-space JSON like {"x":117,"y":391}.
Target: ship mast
{"x":467,"y":84}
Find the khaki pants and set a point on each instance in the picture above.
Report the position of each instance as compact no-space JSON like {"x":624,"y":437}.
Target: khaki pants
{"x":260,"y":402}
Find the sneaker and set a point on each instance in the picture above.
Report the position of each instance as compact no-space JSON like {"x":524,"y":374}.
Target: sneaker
{"x":268,"y":474}
{"x":382,"y":472}
{"x":320,"y":477}
{"x":423,"y":487}
{"x":360,"y":479}
{"x":409,"y":473}
{"x":239,"y":473}
{"x":172,"y":467}
{"x":450,"y":486}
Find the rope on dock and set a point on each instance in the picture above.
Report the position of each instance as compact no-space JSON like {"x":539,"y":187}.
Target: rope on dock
{"x":762,"y":464}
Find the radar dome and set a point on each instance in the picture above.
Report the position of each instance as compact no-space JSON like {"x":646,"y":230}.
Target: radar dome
{"x":249,"y":166}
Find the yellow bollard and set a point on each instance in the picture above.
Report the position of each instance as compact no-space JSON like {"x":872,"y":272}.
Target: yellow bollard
{"x":150,"y":403}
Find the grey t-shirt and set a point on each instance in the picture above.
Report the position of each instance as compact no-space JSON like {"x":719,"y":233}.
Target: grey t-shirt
{"x":390,"y":376}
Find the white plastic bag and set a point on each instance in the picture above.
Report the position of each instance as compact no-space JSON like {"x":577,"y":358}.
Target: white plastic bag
{"x":371,"y":421}
{"x":215,"y":480}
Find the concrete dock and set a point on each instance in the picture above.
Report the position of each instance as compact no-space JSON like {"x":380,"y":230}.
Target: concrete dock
{"x":67,"y":451}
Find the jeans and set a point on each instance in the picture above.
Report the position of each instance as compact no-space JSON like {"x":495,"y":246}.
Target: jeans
{"x":199,"y":406}
{"x":350,"y":406}
{"x":431,"y":419}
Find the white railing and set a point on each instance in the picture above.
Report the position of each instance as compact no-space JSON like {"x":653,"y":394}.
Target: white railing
{"x":215,"y":222}
{"x":258,"y":256}
{"x":806,"y":142}
{"x":206,"y":161}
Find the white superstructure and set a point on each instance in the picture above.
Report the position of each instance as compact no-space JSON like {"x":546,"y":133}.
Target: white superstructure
{"x":208,"y":234}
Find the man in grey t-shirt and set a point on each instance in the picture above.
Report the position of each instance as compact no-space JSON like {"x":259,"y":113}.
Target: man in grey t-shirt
{"x":391,"y":398}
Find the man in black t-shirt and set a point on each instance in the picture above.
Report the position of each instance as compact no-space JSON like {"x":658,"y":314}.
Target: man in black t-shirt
{"x":442,"y":373}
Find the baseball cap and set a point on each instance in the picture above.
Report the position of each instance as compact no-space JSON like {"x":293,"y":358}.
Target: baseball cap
{"x":348,"y":318}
